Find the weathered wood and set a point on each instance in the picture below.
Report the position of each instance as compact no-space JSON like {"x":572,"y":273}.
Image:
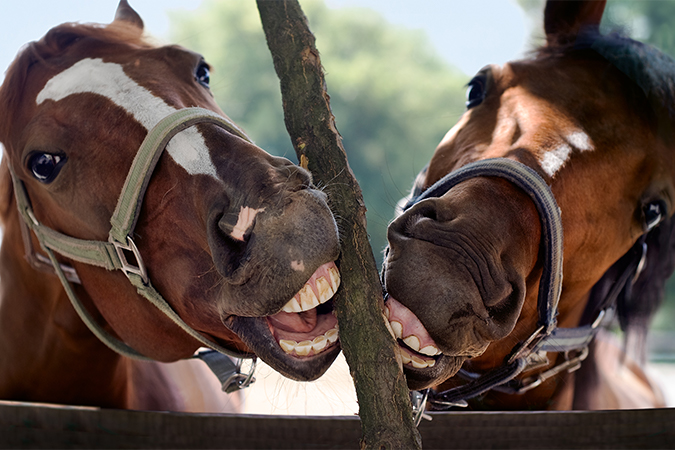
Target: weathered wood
{"x":384,"y":405}
{"x":25,"y":425}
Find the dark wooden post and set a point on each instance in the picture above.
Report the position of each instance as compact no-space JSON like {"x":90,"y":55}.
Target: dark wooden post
{"x":384,"y":405}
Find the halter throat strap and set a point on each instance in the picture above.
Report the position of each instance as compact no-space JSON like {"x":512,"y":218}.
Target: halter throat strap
{"x":120,"y":251}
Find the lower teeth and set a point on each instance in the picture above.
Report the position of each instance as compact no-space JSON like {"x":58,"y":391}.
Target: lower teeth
{"x":303,"y":348}
{"x":415,"y":361}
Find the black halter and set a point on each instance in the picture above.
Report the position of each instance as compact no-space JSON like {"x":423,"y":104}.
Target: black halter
{"x":531,"y":353}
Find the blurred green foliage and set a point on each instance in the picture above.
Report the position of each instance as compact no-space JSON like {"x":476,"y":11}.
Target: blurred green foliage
{"x":392,"y":96}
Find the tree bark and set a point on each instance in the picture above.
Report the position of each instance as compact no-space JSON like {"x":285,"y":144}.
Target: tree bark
{"x":384,"y":403}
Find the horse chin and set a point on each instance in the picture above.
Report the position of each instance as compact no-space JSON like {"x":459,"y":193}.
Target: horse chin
{"x":259,"y":335}
{"x":444,"y":368}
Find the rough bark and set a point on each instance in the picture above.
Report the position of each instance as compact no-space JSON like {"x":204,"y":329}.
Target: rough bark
{"x":384,"y":404}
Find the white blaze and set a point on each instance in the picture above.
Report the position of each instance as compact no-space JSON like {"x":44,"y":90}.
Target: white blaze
{"x":554,"y":159}
{"x":94,"y":76}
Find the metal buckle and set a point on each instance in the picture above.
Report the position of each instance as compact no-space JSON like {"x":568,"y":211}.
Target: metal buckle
{"x":239,"y":380}
{"x":571,"y":364}
{"x":127,"y":268}
{"x":527,"y":346}
{"x":419,"y":403}
{"x":642,"y":264}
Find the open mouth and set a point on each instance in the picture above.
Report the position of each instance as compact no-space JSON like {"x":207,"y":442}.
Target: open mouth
{"x":416,"y":347}
{"x":306,"y":326}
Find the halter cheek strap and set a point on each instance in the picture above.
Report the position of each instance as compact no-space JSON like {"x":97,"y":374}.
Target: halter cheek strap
{"x":120,"y":251}
{"x":531,"y":353}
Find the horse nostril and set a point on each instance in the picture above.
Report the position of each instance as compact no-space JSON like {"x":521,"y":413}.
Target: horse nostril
{"x":229,"y":241}
{"x":238,"y":226}
{"x":427,"y":210}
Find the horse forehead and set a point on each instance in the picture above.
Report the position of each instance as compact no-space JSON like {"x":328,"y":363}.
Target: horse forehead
{"x":93,"y":75}
{"x":549,"y":132}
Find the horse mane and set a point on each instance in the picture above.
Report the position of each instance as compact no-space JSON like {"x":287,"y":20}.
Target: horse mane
{"x":652,"y":76}
{"x":650,"y":71}
{"x":44,"y":51}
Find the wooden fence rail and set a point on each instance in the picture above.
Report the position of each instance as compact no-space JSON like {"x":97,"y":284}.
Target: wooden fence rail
{"x":32,"y":425}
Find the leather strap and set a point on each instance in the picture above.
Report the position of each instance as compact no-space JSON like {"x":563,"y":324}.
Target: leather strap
{"x":111,"y":255}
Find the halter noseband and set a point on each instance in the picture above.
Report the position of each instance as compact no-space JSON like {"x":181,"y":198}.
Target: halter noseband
{"x":531,"y":353}
{"x":120,"y":251}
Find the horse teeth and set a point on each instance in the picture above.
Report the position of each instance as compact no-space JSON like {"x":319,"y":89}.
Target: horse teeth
{"x":325,"y":290}
{"x":430,"y":350}
{"x":331,"y":335}
{"x":397,"y":327}
{"x":319,"y":343}
{"x":334,"y":278}
{"x":405,"y":357}
{"x":413,"y":342}
{"x":303,"y":348}
{"x":293,"y":306}
{"x":386,"y":322}
{"x":306,"y":299}
{"x":287,"y":345}
{"x":418,"y":363}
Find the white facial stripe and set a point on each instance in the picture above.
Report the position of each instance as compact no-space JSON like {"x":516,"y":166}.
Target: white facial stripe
{"x":554,"y":159}
{"x":187,"y":148}
{"x":580,"y":140}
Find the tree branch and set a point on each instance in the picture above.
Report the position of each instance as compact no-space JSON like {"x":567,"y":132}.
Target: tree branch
{"x":384,"y":404}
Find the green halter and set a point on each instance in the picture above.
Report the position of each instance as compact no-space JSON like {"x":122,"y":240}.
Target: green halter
{"x":113,"y":254}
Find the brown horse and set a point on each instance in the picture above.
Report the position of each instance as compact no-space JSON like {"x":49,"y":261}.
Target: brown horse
{"x":228,"y":246}
{"x":593,"y":116}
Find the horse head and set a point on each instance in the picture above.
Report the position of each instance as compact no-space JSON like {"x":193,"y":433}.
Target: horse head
{"x":239,"y":243}
{"x":592,"y":115}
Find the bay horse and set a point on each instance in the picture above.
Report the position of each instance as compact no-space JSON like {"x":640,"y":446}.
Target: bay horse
{"x":168,"y":228}
{"x":592,"y":117}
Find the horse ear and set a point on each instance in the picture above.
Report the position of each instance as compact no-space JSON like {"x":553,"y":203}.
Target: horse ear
{"x":564,"y":18}
{"x":126,"y":13}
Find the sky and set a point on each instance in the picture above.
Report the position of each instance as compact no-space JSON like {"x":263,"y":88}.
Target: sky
{"x":467,"y":33}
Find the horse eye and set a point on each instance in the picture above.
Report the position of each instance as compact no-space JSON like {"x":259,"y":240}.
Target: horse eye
{"x":45,"y":166}
{"x":654,"y":213}
{"x":475,"y":92}
{"x":203,"y":74}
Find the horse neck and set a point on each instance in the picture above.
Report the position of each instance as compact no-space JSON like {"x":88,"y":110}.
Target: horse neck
{"x":46,"y":351}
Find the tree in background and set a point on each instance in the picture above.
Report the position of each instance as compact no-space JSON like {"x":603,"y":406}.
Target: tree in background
{"x":393,"y":97}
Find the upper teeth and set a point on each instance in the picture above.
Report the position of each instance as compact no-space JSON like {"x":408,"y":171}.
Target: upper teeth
{"x":306,"y":299}
{"x":413,"y":341}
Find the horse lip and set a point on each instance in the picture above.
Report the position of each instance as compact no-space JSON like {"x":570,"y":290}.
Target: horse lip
{"x":446,"y":367}
{"x":256,"y":334}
